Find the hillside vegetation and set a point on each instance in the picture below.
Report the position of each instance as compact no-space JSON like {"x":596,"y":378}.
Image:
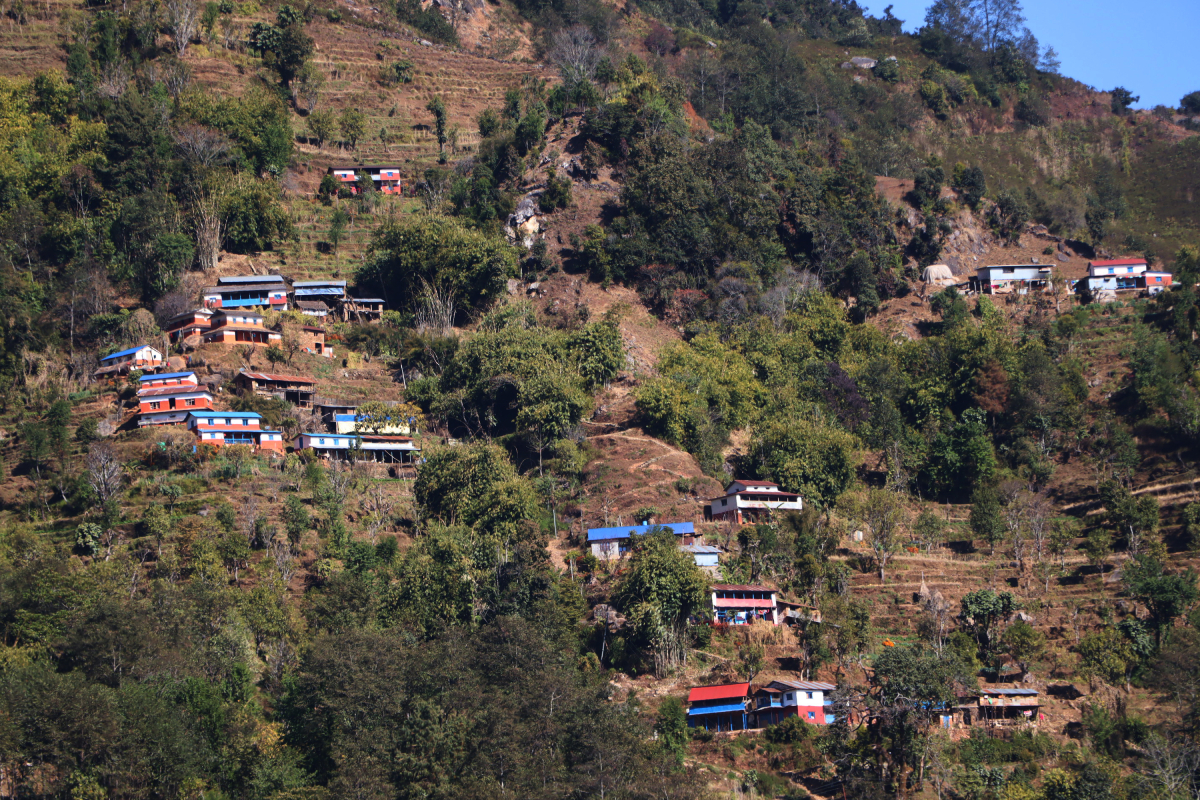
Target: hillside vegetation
{"x":642,"y":249}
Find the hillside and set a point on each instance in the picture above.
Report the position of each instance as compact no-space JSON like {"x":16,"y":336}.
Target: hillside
{"x":633,"y":253}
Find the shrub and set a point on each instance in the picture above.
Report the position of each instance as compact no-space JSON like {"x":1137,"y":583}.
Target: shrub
{"x":934,"y":95}
{"x":888,"y":70}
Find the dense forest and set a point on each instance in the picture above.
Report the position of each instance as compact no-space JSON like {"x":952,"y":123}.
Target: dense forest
{"x":640,"y":251}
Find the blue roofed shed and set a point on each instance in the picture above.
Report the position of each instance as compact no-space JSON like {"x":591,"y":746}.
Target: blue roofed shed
{"x":611,"y":543}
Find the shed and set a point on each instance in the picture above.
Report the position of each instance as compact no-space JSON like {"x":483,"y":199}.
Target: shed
{"x":612,"y":543}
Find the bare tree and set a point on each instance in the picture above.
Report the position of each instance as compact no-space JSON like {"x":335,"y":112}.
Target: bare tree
{"x":202,"y":146}
{"x":882,"y":513}
{"x":1174,"y":765}
{"x":378,"y":509}
{"x":183,"y":20}
{"x":209,"y":225}
{"x":576,"y":54}
{"x":436,"y":312}
{"x":104,"y":471}
{"x":114,"y":79}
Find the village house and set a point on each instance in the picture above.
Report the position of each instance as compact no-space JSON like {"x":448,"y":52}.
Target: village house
{"x":779,"y":700}
{"x":143,"y":357}
{"x":313,"y":308}
{"x":240,"y":327}
{"x":1113,"y":275}
{"x":219,"y":428}
{"x":997,"y":706}
{"x":706,"y":556}
{"x":1154,"y":282}
{"x":748,"y":502}
{"x":353,"y":423}
{"x":736,"y":604}
{"x":329,"y":293}
{"x":312,"y":340}
{"x":362,"y":309}
{"x":386,"y":178}
{"x":719,"y":708}
{"x":329,"y":408}
{"x":189,"y":323}
{"x":609,"y":544}
{"x":295,"y":390}
{"x":247,"y":291}
{"x":360,"y":447}
{"x":167,"y":398}
{"x":1011,"y":278}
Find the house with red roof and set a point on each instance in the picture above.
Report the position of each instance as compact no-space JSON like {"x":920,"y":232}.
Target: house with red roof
{"x":167,"y":398}
{"x":738,"y":604}
{"x":719,"y":708}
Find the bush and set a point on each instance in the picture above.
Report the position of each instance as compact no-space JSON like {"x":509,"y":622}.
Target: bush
{"x":791,"y":730}
{"x":888,"y":70}
{"x":1033,"y":110}
{"x":557,"y":194}
{"x":428,"y":21}
{"x":934,"y":96}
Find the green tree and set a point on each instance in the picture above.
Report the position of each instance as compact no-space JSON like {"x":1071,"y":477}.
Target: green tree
{"x":660,"y":590}
{"x":275,"y":355}
{"x":929,"y":529}
{"x":1167,"y":595}
{"x":296,"y":519}
{"x":1122,"y":99}
{"x":981,"y":611}
{"x":986,"y":519}
{"x":353,"y":124}
{"x":550,"y":405}
{"x":37,"y":445}
{"x":337,"y":228}
{"x":671,"y":726}
{"x":321,"y":126}
{"x":156,"y":523}
{"x":437,"y":107}
{"x":1135,"y":519}
{"x":1023,"y":642}
{"x":442,"y":252}
{"x":88,"y":431}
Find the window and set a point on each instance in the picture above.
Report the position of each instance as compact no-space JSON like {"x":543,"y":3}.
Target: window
{"x":810,"y":697}
{"x":321,"y":441}
{"x":154,"y":406}
{"x":724,"y":502}
{"x":812,"y":715}
{"x":787,"y":697}
{"x":190,"y":401}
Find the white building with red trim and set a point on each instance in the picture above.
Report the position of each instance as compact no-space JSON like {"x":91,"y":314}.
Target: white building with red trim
{"x":747,"y":502}
{"x":738,"y":604}
{"x":779,"y":700}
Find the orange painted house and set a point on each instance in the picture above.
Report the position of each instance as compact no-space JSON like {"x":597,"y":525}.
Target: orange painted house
{"x":188,"y":324}
{"x":219,"y":428}
{"x":168,"y":398}
{"x":240,"y":327}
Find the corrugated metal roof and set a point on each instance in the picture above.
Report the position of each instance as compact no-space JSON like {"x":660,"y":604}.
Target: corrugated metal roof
{"x":320,"y":291}
{"x":743,"y":602}
{"x":1117,"y":262}
{"x":367,"y":299}
{"x":700,"y":548}
{"x":238,"y":414}
{"x":263,"y":376}
{"x":250,"y":279}
{"x":624,"y":532}
{"x":299,"y":284}
{"x":807,"y":686}
{"x":720,"y":692}
{"x":731,"y":708}
{"x":128,"y":352}
{"x":160,"y":376}
{"x":182,"y":388}
{"x":244,"y":287}
{"x":738,"y":587}
{"x":233,"y":429}
{"x":1011,"y":692}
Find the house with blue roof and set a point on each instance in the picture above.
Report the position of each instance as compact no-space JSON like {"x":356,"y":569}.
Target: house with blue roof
{"x":609,"y":544}
{"x":124,"y":361}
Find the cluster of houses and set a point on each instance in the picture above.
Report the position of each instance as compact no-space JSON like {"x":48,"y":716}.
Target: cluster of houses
{"x":384,"y":177}
{"x":1104,"y":278}
{"x":179,"y":398}
{"x":316,"y":299}
{"x":737,"y":707}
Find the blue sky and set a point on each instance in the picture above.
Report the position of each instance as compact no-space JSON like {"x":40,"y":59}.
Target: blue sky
{"x":1147,"y":46}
